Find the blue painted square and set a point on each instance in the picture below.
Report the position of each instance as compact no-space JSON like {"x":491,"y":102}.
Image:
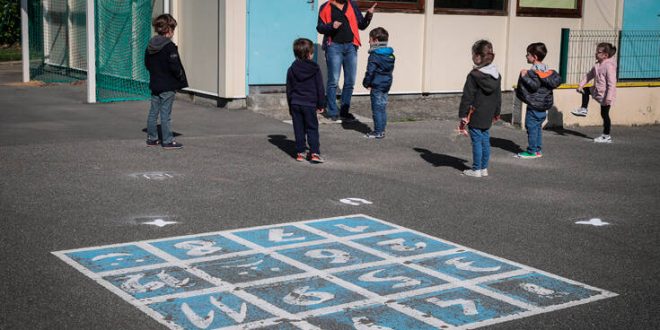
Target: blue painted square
{"x":460,"y":306}
{"x":209,"y":311}
{"x":278,"y":236}
{"x":113,"y":258}
{"x":331,"y":255}
{"x":304,"y":294}
{"x":375,"y":317}
{"x":199,"y":246}
{"x":404,"y":244}
{"x":157,"y":282}
{"x":350,"y":226}
{"x":466,"y":265}
{"x":540,"y":290}
{"x":247,"y":268}
{"x":389,"y":279}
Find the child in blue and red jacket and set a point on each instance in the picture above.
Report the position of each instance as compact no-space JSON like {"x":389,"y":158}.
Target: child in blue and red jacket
{"x":378,"y":78}
{"x":305,"y":96}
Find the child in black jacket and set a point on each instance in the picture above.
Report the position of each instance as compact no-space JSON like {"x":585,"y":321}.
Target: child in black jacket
{"x":306,"y":97}
{"x":480,"y":105}
{"x":166,"y":75}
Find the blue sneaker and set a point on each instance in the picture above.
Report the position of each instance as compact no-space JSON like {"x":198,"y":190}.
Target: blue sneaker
{"x":374,"y":135}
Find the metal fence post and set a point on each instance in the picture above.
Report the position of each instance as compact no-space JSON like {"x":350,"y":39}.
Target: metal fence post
{"x":25,"y":40}
{"x":563,"y":59}
{"x":91,"y":53}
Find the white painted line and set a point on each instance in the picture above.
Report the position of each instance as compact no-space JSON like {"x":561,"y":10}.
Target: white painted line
{"x":159,"y":223}
{"x":593,"y":222}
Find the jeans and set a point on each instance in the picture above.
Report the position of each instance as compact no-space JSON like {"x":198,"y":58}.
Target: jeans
{"x":378,"y":110}
{"x":338,"y":56}
{"x":533,"y":121}
{"x":161,"y":104}
{"x":480,"y":147}
{"x":305,"y":123}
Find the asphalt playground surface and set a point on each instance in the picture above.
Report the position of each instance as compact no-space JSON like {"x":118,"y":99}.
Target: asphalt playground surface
{"x":72,"y":178}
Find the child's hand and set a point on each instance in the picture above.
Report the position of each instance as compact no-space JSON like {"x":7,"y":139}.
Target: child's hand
{"x":464,"y":120}
{"x":372,"y":8}
{"x":523,"y":72}
{"x":580,"y":89}
{"x":336,"y":24}
{"x":320,"y":110}
{"x":496,"y":118}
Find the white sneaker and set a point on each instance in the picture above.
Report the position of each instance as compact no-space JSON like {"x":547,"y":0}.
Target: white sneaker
{"x":472,"y":173}
{"x":484,"y":172}
{"x":603,"y":139}
{"x":580,"y":112}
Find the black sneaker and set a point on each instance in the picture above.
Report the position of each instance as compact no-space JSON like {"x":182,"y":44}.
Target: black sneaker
{"x":334,"y":118}
{"x":348,"y":117}
{"x":152,"y":143}
{"x":173,"y":145}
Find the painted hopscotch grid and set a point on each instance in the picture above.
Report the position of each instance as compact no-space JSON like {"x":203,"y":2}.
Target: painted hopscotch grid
{"x":350,"y":272}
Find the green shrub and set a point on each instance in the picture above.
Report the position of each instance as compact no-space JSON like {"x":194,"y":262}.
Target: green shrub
{"x":10,"y":22}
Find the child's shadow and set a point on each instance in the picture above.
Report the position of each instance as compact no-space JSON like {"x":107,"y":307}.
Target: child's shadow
{"x":442,"y":160}
{"x":563,"y":132}
{"x":357,"y":126}
{"x":284,"y":144}
{"x":507,"y":145}
{"x":160,"y":132}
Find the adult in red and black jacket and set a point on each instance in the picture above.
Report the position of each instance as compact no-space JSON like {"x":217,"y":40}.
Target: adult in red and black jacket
{"x":340,"y":22}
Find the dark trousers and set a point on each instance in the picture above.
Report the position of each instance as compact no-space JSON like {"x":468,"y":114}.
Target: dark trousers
{"x":604,"y":111}
{"x":305,"y":128}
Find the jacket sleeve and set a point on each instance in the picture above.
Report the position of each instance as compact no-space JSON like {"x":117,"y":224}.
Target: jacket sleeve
{"x":469,"y":94}
{"x":320,"y":92}
{"x":174,"y":63}
{"x":553,"y":81}
{"x":610,"y":75}
{"x":322,"y":27}
{"x":362,"y":21}
{"x":587,"y":77}
{"x":289,"y":87}
{"x":531,"y":81}
{"x":369,"y":75}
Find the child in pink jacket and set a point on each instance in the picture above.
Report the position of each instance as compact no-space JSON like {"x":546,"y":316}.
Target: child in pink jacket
{"x":604,"y":89}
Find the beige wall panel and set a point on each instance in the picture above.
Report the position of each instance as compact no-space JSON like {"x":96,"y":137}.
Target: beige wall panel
{"x":406,"y":37}
{"x":233,"y":46}
{"x":198,"y":43}
{"x":633,"y":106}
{"x":600,"y":14}
{"x":453,"y":37}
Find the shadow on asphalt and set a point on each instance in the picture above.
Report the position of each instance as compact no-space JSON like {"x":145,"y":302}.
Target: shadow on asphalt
{"x":357,"y":126}
{"x":438,"y":160}
{"x":563,"y":132}
{"x":284,"y":144}
{"x":507,"y":145}
{"x":160,"y":133}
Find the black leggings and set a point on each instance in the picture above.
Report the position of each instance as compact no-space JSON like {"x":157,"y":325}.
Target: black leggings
{"x":604,"y":111}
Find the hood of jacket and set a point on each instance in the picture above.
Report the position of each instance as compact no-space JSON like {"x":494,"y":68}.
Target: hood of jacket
{"x":304,"y":69}
{"x":385,"y":57}
{"x":487,"y":78}
{"x":157,"y":43}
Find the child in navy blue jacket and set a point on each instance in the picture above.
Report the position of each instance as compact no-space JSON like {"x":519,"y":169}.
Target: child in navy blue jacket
{"x":378,"y":78}
{"x":306,"y":97}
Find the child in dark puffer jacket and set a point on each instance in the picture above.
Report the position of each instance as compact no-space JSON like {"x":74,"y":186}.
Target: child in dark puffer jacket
{"x":535,"y":89}
{"x":378,"y":78}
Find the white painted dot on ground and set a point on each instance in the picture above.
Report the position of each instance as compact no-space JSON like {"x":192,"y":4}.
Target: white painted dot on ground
{"x":159,"y":222}
{"x":593,"y":222}
{"x":354,"y":201}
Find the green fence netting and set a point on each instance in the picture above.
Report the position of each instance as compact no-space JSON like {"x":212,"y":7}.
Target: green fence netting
{"x":58,"y":45}
{"x":123,"y":28}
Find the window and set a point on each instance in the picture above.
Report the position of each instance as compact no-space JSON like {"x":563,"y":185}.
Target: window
{"x":472,"y":7}
{"x":412,"y":6}
{"x":550,"y":8}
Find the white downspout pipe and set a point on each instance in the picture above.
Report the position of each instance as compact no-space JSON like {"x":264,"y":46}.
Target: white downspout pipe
{"x":25,"y":41}
{"x":91,"y":53}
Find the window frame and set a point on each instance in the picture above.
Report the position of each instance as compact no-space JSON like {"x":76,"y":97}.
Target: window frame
{"x":417,"y":7}
{"x":549,"y":12}
{"x":466,"y":11}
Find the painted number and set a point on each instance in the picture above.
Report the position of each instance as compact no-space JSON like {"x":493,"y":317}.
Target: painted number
{"x":278,"y":235}
{"x":337,"y":256}
{"x":133,"y":285}
{"x":198,"y":248}
{"x":456,"y":262}
{"x":469,"y":308}
{"x":405,"y":281}
{"x":397,"y":244}
{"x":364,"y":323}
{"x":357,"y":229}
{"x":301,"y":297}
{"x":205,"y":322}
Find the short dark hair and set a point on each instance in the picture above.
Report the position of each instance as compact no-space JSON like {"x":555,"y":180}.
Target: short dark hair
{"x":537,"y":49}
{"x":302,"y":47}
{"x":163,"y":24}
{"x":484,"y":48}
{"x":379,"y":34}
{"x":607,"y":47}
